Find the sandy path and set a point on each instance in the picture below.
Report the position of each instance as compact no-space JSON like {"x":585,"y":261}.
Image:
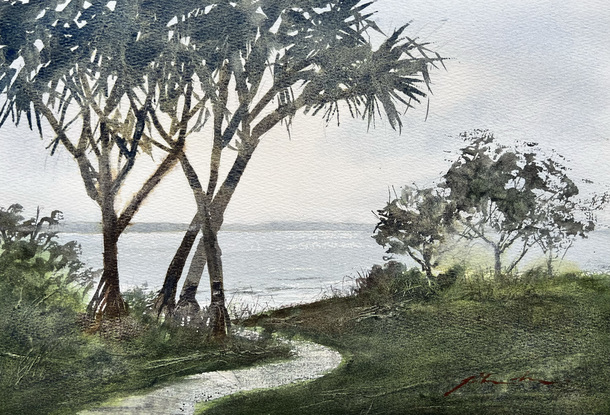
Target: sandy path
{"x":311,"y":361}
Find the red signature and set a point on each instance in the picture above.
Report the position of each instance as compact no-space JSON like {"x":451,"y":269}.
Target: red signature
{"x":485,"y":378}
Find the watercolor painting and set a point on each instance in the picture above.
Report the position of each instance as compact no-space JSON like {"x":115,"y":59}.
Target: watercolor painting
{"x":304,"y":207}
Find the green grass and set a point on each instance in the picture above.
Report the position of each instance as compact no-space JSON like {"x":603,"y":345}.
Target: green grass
{"x":88,"y":369}
{"x":404,"y":360}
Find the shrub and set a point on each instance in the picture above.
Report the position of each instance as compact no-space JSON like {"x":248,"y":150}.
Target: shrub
{"x":42,"y":285}
{"x":140,"y":300}
{"x":393,"y":282}
{"x":36,"y":269}
{"x":447,"y":279}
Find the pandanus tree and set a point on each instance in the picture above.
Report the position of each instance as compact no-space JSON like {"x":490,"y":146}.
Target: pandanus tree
{"x":275,"y":59}
{"x":93,"y":74}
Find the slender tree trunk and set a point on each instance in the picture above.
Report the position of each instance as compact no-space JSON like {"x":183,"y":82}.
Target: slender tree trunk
{"x":429,"y":275}
{"x":166,"y":298}
{"x":217,"y":209}
{"x":497,"y":264}
{"x":107,"y":301}
{"x":112,"y":305}
{"x":209,"y":249}
{"x":220,"y":322}
{"x":187,"y":302}
{"x":549,"y":263}
{"x":193,"y":277}
{"x":428,"y":267}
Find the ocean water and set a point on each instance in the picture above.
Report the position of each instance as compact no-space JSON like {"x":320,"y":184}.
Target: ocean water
{"x":277,"y":268}
{"x":264,"y":268}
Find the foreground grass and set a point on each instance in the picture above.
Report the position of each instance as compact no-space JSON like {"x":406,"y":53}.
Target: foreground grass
{"x":409,"y":359}
{"x":91,"y":369}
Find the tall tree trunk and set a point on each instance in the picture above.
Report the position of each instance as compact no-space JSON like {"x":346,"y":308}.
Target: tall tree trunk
{"x":166,"y":298}
{"x":208,"y":252}
{"x":193,"y":277}
{"x":187,"y":304}
{"x":107,"y":300}
{"x":217,"y":209}
{"x":220,"y":322}
{"x":427,"y":260}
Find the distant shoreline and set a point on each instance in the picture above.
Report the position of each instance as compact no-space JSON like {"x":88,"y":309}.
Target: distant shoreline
{"x":148,"y":227}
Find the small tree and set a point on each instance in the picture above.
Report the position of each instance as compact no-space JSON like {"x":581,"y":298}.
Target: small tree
{"x":417,"y":223}
{"x":505,"y":196}
{"x":563,"y":220}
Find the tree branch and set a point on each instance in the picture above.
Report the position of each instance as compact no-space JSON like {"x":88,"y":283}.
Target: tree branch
{"x":269,"y":121}
{"x":137,"y":135}
{"x":219,"y":109}
{"x":88,"y":173}
{"x":516,"y":261}
{"x":166,"y":165}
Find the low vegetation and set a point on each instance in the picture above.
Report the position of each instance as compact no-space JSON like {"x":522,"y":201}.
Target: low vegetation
{"x":528,"y":345}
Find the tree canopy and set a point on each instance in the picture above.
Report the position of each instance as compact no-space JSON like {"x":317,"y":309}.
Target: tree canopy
{"x":508,"y":195}
{"x":511,"y":198}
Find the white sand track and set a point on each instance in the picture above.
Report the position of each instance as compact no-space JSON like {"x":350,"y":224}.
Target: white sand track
{"x":311,"y":361}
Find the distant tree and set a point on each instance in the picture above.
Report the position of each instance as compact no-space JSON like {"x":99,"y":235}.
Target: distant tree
{"x":416,"y":224}
{"x":505,"y":196}
{"x":563,"y":220}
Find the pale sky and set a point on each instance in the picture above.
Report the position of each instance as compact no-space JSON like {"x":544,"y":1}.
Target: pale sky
{"x":527,"y":70}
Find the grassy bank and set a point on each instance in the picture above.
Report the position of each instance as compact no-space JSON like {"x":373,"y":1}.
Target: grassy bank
{"x":523,"y":348}
{"x":48,"y":365}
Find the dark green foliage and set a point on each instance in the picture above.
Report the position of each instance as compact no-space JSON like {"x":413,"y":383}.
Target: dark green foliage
{"x":416,"y":224}
{"x":67,"y":371}
{"x":448,"y":278}
{"x":42,"y":285}
{"x":35,"y":269}
{"x":321,"y":45}
{"x":140,"y":301}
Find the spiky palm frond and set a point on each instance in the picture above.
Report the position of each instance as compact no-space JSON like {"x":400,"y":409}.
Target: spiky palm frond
{"x":372,"y":81}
